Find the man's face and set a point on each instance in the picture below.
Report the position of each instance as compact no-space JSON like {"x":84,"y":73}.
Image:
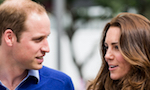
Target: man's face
{"x":29,"y":52}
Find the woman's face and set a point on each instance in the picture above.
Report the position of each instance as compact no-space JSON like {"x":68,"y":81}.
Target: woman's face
{"x":118,"y":66}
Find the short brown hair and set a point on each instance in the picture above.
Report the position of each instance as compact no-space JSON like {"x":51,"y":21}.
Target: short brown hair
{"x":13,"y":14}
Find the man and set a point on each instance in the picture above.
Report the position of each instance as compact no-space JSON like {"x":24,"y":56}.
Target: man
{"x":24,"y":28}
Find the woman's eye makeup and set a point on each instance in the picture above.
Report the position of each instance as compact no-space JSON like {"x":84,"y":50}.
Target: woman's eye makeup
{"x":105,"y":47}
{"x":114,"y":46}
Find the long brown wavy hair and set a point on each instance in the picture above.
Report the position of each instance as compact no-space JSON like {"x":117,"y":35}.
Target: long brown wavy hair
{"x":134,"y":45}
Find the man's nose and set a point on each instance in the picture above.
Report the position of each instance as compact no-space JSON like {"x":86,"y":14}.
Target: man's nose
{"x":45,"y":47}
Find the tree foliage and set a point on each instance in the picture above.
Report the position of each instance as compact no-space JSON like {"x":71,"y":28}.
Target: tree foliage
{"x":48,"y":4}
{"x":1,"y":1}
{"x":142,"y":6}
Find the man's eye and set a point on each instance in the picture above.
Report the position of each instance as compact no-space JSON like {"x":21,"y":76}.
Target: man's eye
{"x":38,"y":39}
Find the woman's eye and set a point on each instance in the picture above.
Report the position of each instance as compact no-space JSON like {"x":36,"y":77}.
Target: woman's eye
{"x":116,"y":47}
{"x":105,"y":47}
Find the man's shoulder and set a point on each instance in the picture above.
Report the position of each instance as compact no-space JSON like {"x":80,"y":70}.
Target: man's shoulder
{"x":49,"y":79}
{"x":50,"y":73}
{"x":54,"y":80}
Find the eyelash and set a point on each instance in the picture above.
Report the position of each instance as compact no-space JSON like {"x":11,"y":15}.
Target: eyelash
{"x":106,"y":47}
{"x":38,"y":39}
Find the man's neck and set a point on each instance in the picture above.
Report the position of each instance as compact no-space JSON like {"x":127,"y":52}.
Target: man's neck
{"x":11,"y":77}
{"x":11,"y":74}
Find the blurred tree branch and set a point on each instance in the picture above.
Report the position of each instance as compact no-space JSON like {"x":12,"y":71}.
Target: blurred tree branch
{"x":117,"y":6}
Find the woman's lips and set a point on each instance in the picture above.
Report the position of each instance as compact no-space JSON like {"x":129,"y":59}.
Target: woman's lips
{"x":113,"y":67}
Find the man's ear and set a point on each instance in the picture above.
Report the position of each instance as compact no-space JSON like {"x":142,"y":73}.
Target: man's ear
{"x":9,"y":37}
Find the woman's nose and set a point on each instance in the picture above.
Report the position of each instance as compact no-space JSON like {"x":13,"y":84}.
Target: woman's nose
{"x":109,"y":55}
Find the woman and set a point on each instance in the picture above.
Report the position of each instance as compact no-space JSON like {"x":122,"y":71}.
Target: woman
{"x":125,"y":50}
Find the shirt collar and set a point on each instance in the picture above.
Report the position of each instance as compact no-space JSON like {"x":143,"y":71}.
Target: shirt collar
{"x":34,"y":73}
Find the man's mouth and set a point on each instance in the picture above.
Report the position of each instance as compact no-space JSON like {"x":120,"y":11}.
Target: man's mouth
{"x":39,"y":57}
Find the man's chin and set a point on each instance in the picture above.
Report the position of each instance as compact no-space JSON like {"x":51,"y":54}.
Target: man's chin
{"x":38,"y":67}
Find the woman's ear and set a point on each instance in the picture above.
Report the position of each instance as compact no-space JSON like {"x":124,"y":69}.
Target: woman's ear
{"x":9,"y":37}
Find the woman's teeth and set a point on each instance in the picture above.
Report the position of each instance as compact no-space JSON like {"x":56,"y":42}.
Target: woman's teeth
{"x":112,"y":66}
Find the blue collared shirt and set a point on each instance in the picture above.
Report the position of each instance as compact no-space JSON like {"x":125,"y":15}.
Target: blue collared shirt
{"x":44,"y":79}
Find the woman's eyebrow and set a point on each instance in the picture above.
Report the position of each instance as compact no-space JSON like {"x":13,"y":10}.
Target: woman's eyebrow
{"x":114,"y":43}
